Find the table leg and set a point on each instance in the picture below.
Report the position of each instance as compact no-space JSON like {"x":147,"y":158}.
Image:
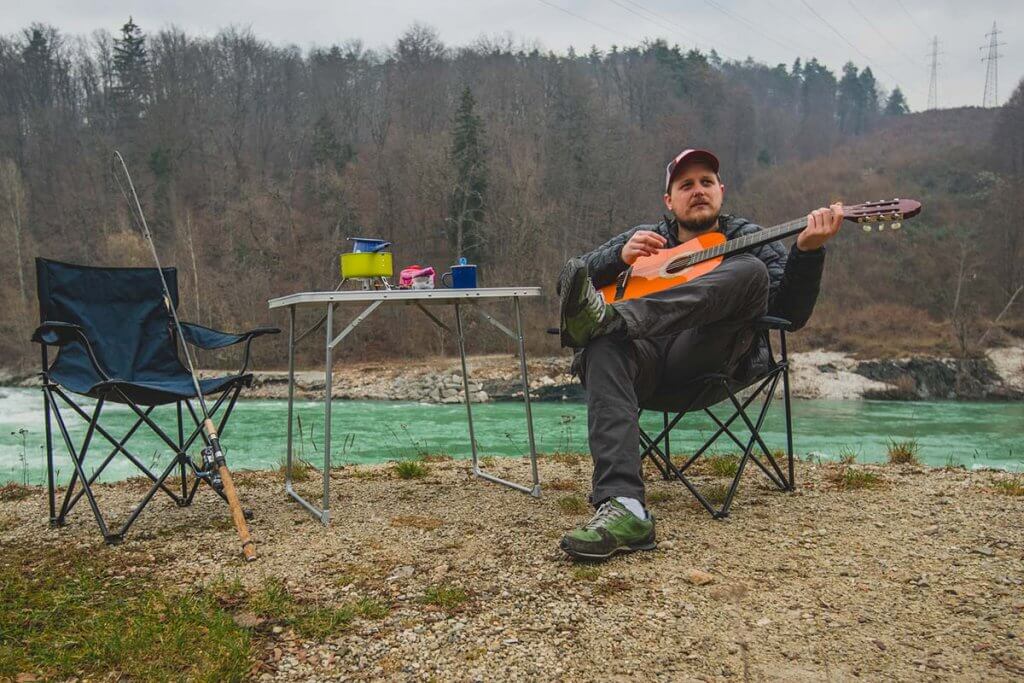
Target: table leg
{"x":526,"y":399}
{"x":291,"y":398}
{"x":535,"y":489}
{"x":465,"y":387}
{"x":329,"y":380}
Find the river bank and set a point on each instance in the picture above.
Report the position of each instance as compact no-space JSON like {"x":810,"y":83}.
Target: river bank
{"x":915,"y":575}
{"x":815,"y":375}
{"x":819,"y":374}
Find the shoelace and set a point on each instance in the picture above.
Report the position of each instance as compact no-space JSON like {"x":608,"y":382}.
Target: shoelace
{"x":595,"y":303}
{"x":605,"y":513}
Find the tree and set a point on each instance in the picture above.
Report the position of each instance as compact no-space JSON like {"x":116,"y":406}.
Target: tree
{"x":131,"y":69}
{"x":896,"y":105}
{"x":466,"y":201}
{"x":857,"y":100}
{"x":1008,"y":140}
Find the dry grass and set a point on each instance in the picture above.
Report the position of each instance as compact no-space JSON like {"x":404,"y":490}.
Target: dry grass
{"x":302,"y":470}
{"x":561,"y":485}
{"x":1013,"y":486}
{"x":573,"y":505}
{"x":903,"y":452}
{"x":847,"y":478}
{"x":13,"y":491}
{"x":875,"y":330}
{"x":411,"y":469}
{"x":446,"y":597}
{"x":585,"y":573}
{"x":656,"y":497}
{"x":569,"y":458}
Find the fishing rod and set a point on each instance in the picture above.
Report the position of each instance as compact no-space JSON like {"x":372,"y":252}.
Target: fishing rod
{"x":213,"y":455}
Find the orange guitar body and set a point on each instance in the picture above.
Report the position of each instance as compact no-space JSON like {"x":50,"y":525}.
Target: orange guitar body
{"x":649,"y":273}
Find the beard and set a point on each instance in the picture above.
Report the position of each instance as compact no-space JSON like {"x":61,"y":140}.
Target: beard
{"x":698,"y":225}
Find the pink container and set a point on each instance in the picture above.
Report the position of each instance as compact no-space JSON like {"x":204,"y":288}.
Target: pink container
{"x":416,"y":277}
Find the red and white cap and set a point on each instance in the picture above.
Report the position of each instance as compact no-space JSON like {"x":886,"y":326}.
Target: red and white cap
{"x":686,"y":156}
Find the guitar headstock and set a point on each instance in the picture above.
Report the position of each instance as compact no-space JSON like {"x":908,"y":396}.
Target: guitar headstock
{"x":885,"y":212}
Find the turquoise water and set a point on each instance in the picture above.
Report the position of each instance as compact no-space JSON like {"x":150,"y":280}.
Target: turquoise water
{"x":971,"y":434}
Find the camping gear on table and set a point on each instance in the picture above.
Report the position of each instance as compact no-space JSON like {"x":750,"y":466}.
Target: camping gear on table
{"x":215,"y":470}
{"x":367,"y":261}
{"x":461,"y":276}
{"x":416,"y":277}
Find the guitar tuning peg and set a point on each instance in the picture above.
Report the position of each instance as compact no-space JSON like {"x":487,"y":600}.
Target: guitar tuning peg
{"x":881,"y":227}
{"x":867,"y":227}
{"x":897,"y":225}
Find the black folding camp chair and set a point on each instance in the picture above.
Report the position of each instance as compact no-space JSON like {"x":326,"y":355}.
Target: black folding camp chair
{"x":116,"y":344}
{"x":702,"y":394}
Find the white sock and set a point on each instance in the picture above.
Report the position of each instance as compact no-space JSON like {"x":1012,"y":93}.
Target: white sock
{"x":634,"y":506}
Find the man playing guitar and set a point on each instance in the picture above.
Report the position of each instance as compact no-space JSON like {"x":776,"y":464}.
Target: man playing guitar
{"x":630,"y":349}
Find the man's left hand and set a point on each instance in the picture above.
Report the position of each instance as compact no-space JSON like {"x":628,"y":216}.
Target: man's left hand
{"x":822,"y":225}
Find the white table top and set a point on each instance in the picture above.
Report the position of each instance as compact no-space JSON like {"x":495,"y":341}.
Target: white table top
{"x":407,"y":295}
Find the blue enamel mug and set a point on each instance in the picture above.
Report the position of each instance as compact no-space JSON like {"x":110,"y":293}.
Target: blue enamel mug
{"x":461,"y":276}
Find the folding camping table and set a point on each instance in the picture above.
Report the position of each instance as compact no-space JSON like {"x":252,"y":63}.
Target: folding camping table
{"x":421,"y":299}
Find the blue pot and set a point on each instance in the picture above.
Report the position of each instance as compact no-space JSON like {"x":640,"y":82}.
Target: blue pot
{"x":363,"y":245}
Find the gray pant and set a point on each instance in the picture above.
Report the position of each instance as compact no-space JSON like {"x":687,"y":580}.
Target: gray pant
{"x":672,"y":337}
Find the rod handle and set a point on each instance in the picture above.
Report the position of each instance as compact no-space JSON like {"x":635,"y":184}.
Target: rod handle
{"x":231,"y":493}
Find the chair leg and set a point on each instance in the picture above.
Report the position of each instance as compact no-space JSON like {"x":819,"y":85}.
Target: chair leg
{"x":51,"y":489}
{"x":185,"y":500}
{"x":79,"y":472}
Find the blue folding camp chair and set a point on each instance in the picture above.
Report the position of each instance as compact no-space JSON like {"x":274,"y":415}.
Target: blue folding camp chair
{"x":116,"y":343}
{"x":703,"y":393}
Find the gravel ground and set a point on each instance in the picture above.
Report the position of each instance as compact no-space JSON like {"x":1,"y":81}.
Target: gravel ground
{"x":920,"y":579}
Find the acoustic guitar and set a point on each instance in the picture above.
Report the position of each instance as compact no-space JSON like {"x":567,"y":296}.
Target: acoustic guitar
{"x":699,"y":256}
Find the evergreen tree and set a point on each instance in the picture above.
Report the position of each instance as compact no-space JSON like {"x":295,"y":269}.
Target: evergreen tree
{"x":850,"y":101}
{"x":896,"y":105}
{"x":38,"y":59}
{"x":466,"y":201}
{"x":131,"y":69}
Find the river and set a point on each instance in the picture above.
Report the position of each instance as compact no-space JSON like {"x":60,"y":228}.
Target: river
{"x":947,"y":432}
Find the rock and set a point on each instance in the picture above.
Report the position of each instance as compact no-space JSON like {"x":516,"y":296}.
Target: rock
{"x":698,"y":577}
{"x":402,"y":572}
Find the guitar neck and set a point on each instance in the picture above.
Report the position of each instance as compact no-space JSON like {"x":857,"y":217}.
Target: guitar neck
{"x":754,"y":239}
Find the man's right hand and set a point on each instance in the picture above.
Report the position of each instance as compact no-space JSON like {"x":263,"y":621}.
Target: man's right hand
{"x":642,"y":243}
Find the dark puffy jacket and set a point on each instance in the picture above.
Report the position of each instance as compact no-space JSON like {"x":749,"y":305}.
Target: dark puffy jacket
{"x":795,"y":277}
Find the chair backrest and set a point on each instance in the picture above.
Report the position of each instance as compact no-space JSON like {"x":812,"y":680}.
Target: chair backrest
{"x":123,"y":313}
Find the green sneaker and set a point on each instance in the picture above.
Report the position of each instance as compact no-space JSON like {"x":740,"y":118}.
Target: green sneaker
{"x":584,"y":314}
{"x":614,"y":529}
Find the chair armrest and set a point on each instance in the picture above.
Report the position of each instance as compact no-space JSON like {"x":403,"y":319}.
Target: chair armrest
{"x":208,"y":338}
{"x":768,"y":322}
{"x":54,"y":333}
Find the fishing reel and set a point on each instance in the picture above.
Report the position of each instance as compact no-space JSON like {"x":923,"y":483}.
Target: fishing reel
{"x":209,"y":471}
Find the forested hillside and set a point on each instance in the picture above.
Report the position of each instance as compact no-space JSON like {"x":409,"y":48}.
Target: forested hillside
{"x":255,"y":161}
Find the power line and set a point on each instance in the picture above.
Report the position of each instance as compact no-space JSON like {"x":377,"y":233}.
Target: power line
{"x":753,"y":27}
{"x":991,"y":96}
{"x":845,"y":40}
{"x":912,"y":19}
{"x":589,"y":21}
{"x":677,"y":27}
{"x":882,"y":35}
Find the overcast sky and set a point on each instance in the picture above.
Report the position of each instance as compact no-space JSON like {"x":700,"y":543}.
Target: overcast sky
{"x":892,"y":36}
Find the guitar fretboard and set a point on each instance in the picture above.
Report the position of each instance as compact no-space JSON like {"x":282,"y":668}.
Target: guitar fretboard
{"x":754,"y":239}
